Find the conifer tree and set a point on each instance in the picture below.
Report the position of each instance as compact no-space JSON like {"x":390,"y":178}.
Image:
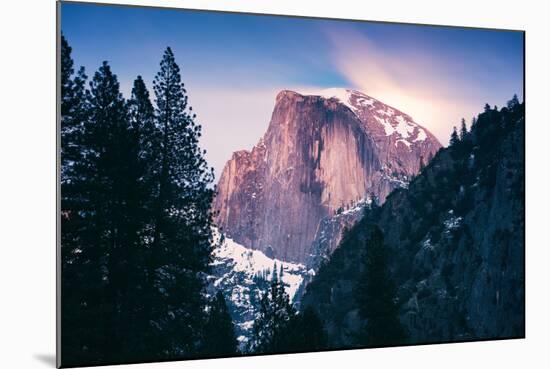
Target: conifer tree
{"x":219,"y":332}
{"x":97,"y":229}
{"x":375,"y":296}
{"x":73,"y":114}
{"x":269,"y":332}
{"x":138,"y":296}
{"x":136,"y":219}
{"x":454,"y":137}
{"x":112,"y":168}
{"x":274,"y":275}
{"x":75,"y":264}
{"x":463,"y":130}
{"x":513,"y":103}
{"x":306,"y":332}
{"x":141,"y":115}
{"x":182,"y":220}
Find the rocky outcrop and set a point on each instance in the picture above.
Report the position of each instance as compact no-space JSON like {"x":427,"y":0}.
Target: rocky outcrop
{"x":321,"y":153}
{"x":331,"y":231}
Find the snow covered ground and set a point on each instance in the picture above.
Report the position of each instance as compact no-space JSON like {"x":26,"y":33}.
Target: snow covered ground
{"x":254,"y":263}
{"x":392,"y":121}
{"x":243,"y":275}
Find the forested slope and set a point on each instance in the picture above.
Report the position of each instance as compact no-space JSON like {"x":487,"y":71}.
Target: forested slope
{"x":454,"y":242}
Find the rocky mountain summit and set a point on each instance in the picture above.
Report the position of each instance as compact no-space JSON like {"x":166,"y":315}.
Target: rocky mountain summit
{"x":323,"y":153}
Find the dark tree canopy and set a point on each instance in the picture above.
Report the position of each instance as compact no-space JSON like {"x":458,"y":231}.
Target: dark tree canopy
{"x":271,"y":325}
{"x":73,"y":113}
{"x":306,"y":332}
{"x":219,"y":334}
{"x":455,"y":139}
{"x":463,"y":130}
{"x":136,"y":220}
{"x":376,"y":296}
{"x":280,"y":328}
{"x":513,"y":103}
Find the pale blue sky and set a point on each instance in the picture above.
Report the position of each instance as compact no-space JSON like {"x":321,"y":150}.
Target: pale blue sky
{"x":234,"y":64}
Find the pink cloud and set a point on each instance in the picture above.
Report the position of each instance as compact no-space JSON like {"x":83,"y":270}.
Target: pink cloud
{"x":430,"y":88}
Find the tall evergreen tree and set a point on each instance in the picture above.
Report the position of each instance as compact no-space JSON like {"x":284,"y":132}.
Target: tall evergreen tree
{"x":139,"y":295}
{"x":97,"y":226}
{"x":136,"y":219}
{"x":73,"y":113}
{"x":271,"y":327}
{"x":219,"y":333}
{"x":376,"y":294}
{"x":455,"y":139}
{"x":463,"y":130}
{"x":513,"y":103}
{"x":75,"y":265}
{"x":114,"y":172}
{"x":182,"y":220}
{"x":306,"y":332}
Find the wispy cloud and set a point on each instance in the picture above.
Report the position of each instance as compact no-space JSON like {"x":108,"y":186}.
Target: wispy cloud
{"x":432,"y":88}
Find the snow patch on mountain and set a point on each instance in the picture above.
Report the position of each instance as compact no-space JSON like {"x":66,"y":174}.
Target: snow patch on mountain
{"x":244,"y":275}
{"x":404,"y":142}
{"x":388,"y":128}
{"x":254,"y":263}
{"x":355,"y":207}
{"x":404,"y":127}
{"x":347,"y":97}
{"x":393,"y":121}
{"x":421,"y":135}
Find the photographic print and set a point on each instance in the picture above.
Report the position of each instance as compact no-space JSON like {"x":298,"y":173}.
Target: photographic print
{"x":238,"y":184}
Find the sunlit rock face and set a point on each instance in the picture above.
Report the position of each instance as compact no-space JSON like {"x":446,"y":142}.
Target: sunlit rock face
{"x":323,"y":152}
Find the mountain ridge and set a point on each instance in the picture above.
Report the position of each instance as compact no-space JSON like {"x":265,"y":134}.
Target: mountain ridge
{"x":455,"y":239}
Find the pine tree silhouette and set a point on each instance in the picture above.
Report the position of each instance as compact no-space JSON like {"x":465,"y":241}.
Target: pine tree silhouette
{"x":454,"y":138}
{"x":463,"y":130}
{"x":514,"y":102}
{"x":375,"y":295}
{"x":182,"y":220}
{"x":136,"y":219}
{"x":306,"y":332}
{"x":219,"y":333}
{"x":138,"y":296}
{"x":269,"y":332}
{"x":80,"y":277}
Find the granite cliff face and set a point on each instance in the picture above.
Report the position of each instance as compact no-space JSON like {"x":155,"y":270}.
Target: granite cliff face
{"x":321,"y":153}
